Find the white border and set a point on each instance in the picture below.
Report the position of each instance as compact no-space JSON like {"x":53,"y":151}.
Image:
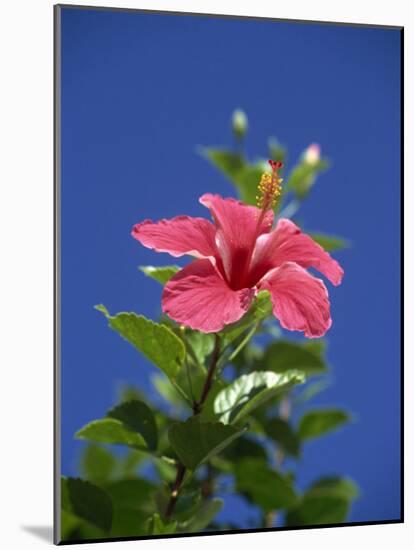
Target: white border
{"x":26,"y":275}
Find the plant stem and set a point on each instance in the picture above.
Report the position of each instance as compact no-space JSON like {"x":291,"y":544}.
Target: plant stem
{"x":207,"y":486}
{"x":197,"y":408}
{"x":175,"y":490}
{"x":198,"y":405}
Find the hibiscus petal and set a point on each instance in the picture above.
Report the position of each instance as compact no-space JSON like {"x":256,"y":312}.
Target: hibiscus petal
{"x":237,"y":232}
{"x":287,"y":243}
{"x":178,"y":236}
{"x":199,"y":297}
{"x":300,"y":301}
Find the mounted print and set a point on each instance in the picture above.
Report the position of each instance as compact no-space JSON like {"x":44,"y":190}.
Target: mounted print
{"x":228,"y":274}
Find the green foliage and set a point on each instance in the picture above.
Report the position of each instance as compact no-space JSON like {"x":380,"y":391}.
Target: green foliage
{"x":196,"y":442}
{"x":110,"y":430}
{"x":156,"y":526}
{"x":160,"y":274}
{"x":204,"y":515}
{"x":157,"y":342}
{"x":319,"y":511}
{"x":201,"y":345}
{"x":282,"y":356}
{"x":303,"y":176}
{"x":97,"y":464}
{"x":280,"y":431}
{"x":329,"y":242}
{"x":133,"y":493}
{"x":69,"y":525}
{"x":264,"y":486}
{"x":230,"y":164}
{"x":327,"y":501}
{"x":187,"y":505}
{"x":88,"y":502}
{"x":245,"y":447}
{"x":137,"y":416}
{"x":250,"y":391}
{"x":132,"y":500}
{"x":244,"y":175}
{"x":320,"y":422}
{"x":334,"y":486}
{"x":130,"y":423}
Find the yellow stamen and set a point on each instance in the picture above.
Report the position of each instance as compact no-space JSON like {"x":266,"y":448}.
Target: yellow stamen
{"x":270,"y":189}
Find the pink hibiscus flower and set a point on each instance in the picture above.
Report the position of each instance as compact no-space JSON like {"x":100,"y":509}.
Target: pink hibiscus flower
{"x":237,"y":256}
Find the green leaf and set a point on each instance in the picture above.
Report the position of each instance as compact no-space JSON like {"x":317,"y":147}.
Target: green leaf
{"x":127,"y":392}
{"x":326,"y":501}
{"x":97,"y":464}
{"x":68,"y":524}
{"x":264,"y":486}
{"x":65,"y":503}
{"x":161,"y":274}
{"x":317,"y":346}
{"x":244,"y":447}
{"x":204,"y":515}
{"x":329,"y":242}
{"x":319,"y":422}
{"x":88,"y":502}
{"x":187,"y":505}
{"x":249,"y":391}
{"x":283,"y":356}
{"x":137,"y":416}
{"x":248,"y":180}
{"x":334,"y":486}
{"x":156,"y":526}
{"x":284,"y":435}
{"x":110,"y":430}
{"x":157,"y":342}
{"x":196,"y":442}
{"x":134,"y":493}
{"x":128,"y":522}
{"x":133,"y":502}
{"x":201,"y":344}
{"x":244,"y":175}
{"x":230,"y":164}
{"x":319,"y":511}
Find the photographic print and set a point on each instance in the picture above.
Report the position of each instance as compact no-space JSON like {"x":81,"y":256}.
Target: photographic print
{"x":228,"y":274}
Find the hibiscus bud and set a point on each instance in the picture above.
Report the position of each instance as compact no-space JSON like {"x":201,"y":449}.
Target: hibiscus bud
{"x":312,"y":154}
{"x":239,"y":123}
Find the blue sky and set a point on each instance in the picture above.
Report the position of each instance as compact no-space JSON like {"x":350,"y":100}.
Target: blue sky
{"x":139,"y":93}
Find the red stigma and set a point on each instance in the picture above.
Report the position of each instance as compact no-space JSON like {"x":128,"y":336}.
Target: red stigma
{"x":275,"y":164}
